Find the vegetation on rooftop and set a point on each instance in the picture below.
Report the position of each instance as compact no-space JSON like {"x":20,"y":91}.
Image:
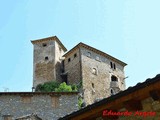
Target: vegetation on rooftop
{"x":54,"y":86}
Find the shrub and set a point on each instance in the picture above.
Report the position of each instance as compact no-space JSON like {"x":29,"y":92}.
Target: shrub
{"x":63,"y":87}
{"x":80,"y":101}
{"x":48,"y":86}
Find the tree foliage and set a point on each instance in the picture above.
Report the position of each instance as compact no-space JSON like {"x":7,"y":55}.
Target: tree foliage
{"x":54,"y":86}
{"x":47,"y":87}
{"x":63,"y":87}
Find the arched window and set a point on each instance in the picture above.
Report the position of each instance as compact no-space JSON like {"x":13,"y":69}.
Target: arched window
{"x":94,"y":71}
{"x":114,"y":78}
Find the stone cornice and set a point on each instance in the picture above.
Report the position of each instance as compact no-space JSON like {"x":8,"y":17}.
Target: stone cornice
{"x":49,"y":39}
{"x":96,"y":51}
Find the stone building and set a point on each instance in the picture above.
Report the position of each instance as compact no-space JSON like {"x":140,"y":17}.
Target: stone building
{"x":47,"y":60}
{"x":140,"y":102}
{"x":101,"y":75}
{"x":36,"y":105}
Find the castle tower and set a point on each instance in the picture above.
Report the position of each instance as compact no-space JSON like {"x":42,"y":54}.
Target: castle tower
{"x":47,"y":58}
{"x":101,"y":74}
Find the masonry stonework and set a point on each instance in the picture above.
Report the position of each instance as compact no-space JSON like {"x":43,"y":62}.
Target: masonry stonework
{"x":48,"y":106}
{"x":47,"y":60}
{"x":98,"y":85}
{"x":149,"y":106}
{"x":72,"y":67}
{"x":101,"y":75}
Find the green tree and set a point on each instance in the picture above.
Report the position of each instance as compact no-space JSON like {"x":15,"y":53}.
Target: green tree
{"x":63,"y":87}
{"x":48,"y":86}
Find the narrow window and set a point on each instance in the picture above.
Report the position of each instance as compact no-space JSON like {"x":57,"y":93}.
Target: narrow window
{"x":112,"y":92}
{"x":111,"y":64}
{"x":114,"y":66}
{"x":75,"y":55}
{"x":114,"y":78}
{"x":46,"y":58}
{"x":92,"y":85}
{"x":88,"y":54}
{"x":94,"y":71}
{"x":69,"y":59}
{"x":55,"y":101}
{"x":44,"y":44}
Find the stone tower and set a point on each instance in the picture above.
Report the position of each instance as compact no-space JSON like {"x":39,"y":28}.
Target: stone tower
{"x":47,"y":58}
{"x":101,"y":74}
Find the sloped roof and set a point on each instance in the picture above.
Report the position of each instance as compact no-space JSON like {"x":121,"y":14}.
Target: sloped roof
{"x":50,"y":38}
{"x":139,"y":86}
{"x":94,"y":50}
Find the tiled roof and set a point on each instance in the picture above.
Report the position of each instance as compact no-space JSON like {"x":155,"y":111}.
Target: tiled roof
{"x":138,"y":86}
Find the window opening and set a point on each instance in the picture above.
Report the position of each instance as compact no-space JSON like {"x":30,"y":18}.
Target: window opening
{"x":75,"y":55}
{"x":69,"y":59}
{"x":114,"y":78}
{"x":44,"y":44}
{"x":46,"y":58}
{"x":112,"y":92}
{"x":111,"y":64}
{"x":94,"y":71}
{"x":114,"y":66}
{"x":92,"y":85}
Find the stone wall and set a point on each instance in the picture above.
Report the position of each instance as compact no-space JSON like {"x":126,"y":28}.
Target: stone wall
{"x":47,"y":62}
{"x":58,"y":61}
{"x":44,"y":62}
{"x":72,"y":67}
{"x":46,"y":106}
{"x":96,"y":74}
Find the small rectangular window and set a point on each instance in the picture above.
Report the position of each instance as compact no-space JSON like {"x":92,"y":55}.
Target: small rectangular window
{"x":69,"y":59}
{"x":111,"y":64}
{"x":44,"y":44}
{"x":46,"y":58}
{"x":75,"y":55}
{"x":114,"y":66}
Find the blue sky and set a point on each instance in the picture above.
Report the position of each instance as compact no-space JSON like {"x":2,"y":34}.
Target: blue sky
{"x":125,"y":29}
